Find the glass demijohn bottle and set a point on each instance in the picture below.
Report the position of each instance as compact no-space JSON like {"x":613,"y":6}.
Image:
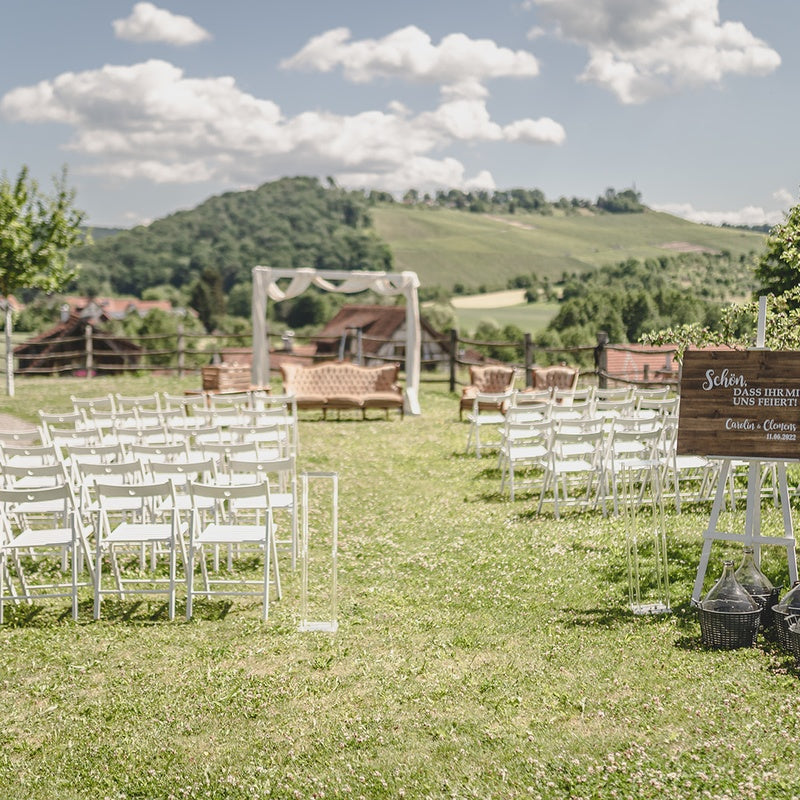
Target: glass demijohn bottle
{"x":752,"y":579}
{"x":728,"y":595}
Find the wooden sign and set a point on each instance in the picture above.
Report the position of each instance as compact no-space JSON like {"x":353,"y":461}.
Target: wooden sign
{"x":740,"y":403}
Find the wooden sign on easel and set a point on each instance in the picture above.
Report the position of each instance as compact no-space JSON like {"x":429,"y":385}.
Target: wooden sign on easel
{"x":742,"y":403}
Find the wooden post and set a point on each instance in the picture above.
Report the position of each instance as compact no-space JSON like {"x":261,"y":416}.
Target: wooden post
{"x":453,"y":357}
{"x":181,"y":350}
{"x":601,"y":359}
{"x":528,"y":360}
{"x":89,"y":352}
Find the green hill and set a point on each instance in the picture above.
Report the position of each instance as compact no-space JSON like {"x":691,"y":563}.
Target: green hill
{"x":446,"y":247}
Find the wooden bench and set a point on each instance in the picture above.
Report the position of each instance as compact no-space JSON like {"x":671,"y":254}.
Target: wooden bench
{"x":341,"y":385}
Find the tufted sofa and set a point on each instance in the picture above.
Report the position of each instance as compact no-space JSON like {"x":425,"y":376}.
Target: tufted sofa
{"x":486,"y":379}
{"x":342,"y":385}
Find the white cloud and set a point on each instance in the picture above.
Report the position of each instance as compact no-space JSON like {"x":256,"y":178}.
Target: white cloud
{"x":749,"y":215}
{"x":423,"y":174}
{"x":148,"y":23}
{"x":784,"y":197}
{"x":150,"y":121}
{"x":409,"y":54}
{"x":639,"y":49}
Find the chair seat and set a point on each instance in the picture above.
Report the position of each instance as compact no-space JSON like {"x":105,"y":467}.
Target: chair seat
{"x":127,"y":532}
{"x":54,"y":537}
{"x":216,"y":533}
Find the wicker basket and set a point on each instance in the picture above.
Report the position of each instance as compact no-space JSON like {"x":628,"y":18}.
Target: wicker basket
{"x":793,"y":635}
{"x":726,"y":630}
{"x":782,"y":619}
{"x":767,"y":601}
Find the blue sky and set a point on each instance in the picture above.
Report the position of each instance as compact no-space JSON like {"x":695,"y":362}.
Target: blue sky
{"x":155,"y":106}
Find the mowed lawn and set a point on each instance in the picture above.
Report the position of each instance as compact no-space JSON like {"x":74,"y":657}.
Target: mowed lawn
{"x":483,"y":651}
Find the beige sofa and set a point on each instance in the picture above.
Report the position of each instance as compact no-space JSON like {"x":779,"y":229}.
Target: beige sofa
{"x":341,"y":385}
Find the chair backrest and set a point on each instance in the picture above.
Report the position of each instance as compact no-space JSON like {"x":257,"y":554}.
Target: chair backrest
{"x":33,"y":476}
{"x":22,"y":454}
{"x":171,"y":451}
{"x":556,"y":377}
{"x":137,"y":402}
{"x":225,"y":496}
{"x":122,"y":473}
{"x":184,"y":472}
{"x":40,"y":499}
{"x":145,"y":499}
{"x":492,"y":378}
{"x":89,"y":404}
{"x":282,"y":469}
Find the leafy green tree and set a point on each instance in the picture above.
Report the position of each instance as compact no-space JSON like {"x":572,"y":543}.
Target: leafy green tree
{"x":778,"y":269}
{"x":37,"y":232}
{"x":207,"y":298}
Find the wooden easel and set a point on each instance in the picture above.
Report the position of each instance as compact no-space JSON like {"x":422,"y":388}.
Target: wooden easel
{"x":752,"y":528}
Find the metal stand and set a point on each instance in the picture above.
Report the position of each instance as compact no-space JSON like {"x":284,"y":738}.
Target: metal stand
{"x":331,"y":624}
{"x":656,"y":573}
{"x":752,"y":527}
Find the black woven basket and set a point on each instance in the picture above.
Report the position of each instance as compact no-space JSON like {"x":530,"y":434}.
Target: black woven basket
{"x":766,"y":601}
{"x":793,"y":635}
{"x":782,"y":625}
{"x":728,"y":630}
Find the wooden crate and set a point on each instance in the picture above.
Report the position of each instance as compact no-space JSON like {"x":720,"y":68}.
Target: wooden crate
{"x":226,"y":378}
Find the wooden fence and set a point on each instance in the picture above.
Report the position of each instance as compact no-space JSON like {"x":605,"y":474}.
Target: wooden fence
{"x":183,"y":353}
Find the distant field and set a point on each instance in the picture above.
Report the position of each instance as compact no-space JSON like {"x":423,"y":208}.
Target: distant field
{"x":529,"y":317}
{"x":446,"y":247}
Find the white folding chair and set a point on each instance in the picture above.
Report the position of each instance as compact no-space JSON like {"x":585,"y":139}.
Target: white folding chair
{"x":574,"y":471}
{"x":281,"y":474}
{"x":37,"y":522}
{"x":128,"y":519}
{"x":488,"y":412}
{"x":525,"y":446}
{"x":230,"y":527}
{"x":634,"y":451}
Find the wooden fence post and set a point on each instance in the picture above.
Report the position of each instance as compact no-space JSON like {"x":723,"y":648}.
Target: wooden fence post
{"x":181,"y":350}
{"x":601,"y":359}
{"x":528,"y":360}
{"x":453,"y":357}
{"x":89,"y":352}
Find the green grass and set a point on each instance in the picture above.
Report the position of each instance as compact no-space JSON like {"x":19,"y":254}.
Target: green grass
{"x":446,"y":247}
{"x":483,"y":651}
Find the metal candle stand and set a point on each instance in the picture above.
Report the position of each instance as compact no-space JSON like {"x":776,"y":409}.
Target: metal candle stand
{"x":633,"y":496}
{"x":329,"y":624}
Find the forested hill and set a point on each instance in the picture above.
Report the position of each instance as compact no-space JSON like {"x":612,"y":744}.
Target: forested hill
{"x":455,"y":242}
{"x":289,"y":223}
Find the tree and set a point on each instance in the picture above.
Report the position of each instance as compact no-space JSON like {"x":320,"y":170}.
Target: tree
{"x":207,"y":298}
{"x":778,"y":269}
{"x":37,"y":232}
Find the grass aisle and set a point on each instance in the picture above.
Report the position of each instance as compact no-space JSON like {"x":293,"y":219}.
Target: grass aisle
{"x":482,"y":652}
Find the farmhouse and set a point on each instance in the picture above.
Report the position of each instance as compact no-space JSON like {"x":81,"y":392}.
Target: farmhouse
{"x":376,"y":334}
{"x":62,"y":348}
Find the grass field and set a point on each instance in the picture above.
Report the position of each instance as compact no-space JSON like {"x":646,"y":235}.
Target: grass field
{"x":483,"y":652}
{"x":446,"y":247}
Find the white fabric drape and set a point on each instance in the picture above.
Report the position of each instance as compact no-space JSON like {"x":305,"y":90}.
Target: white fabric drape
{"x":265,"y":285}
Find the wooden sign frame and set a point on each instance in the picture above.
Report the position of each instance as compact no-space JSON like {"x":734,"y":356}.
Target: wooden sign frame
{"x":741,"y":404}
